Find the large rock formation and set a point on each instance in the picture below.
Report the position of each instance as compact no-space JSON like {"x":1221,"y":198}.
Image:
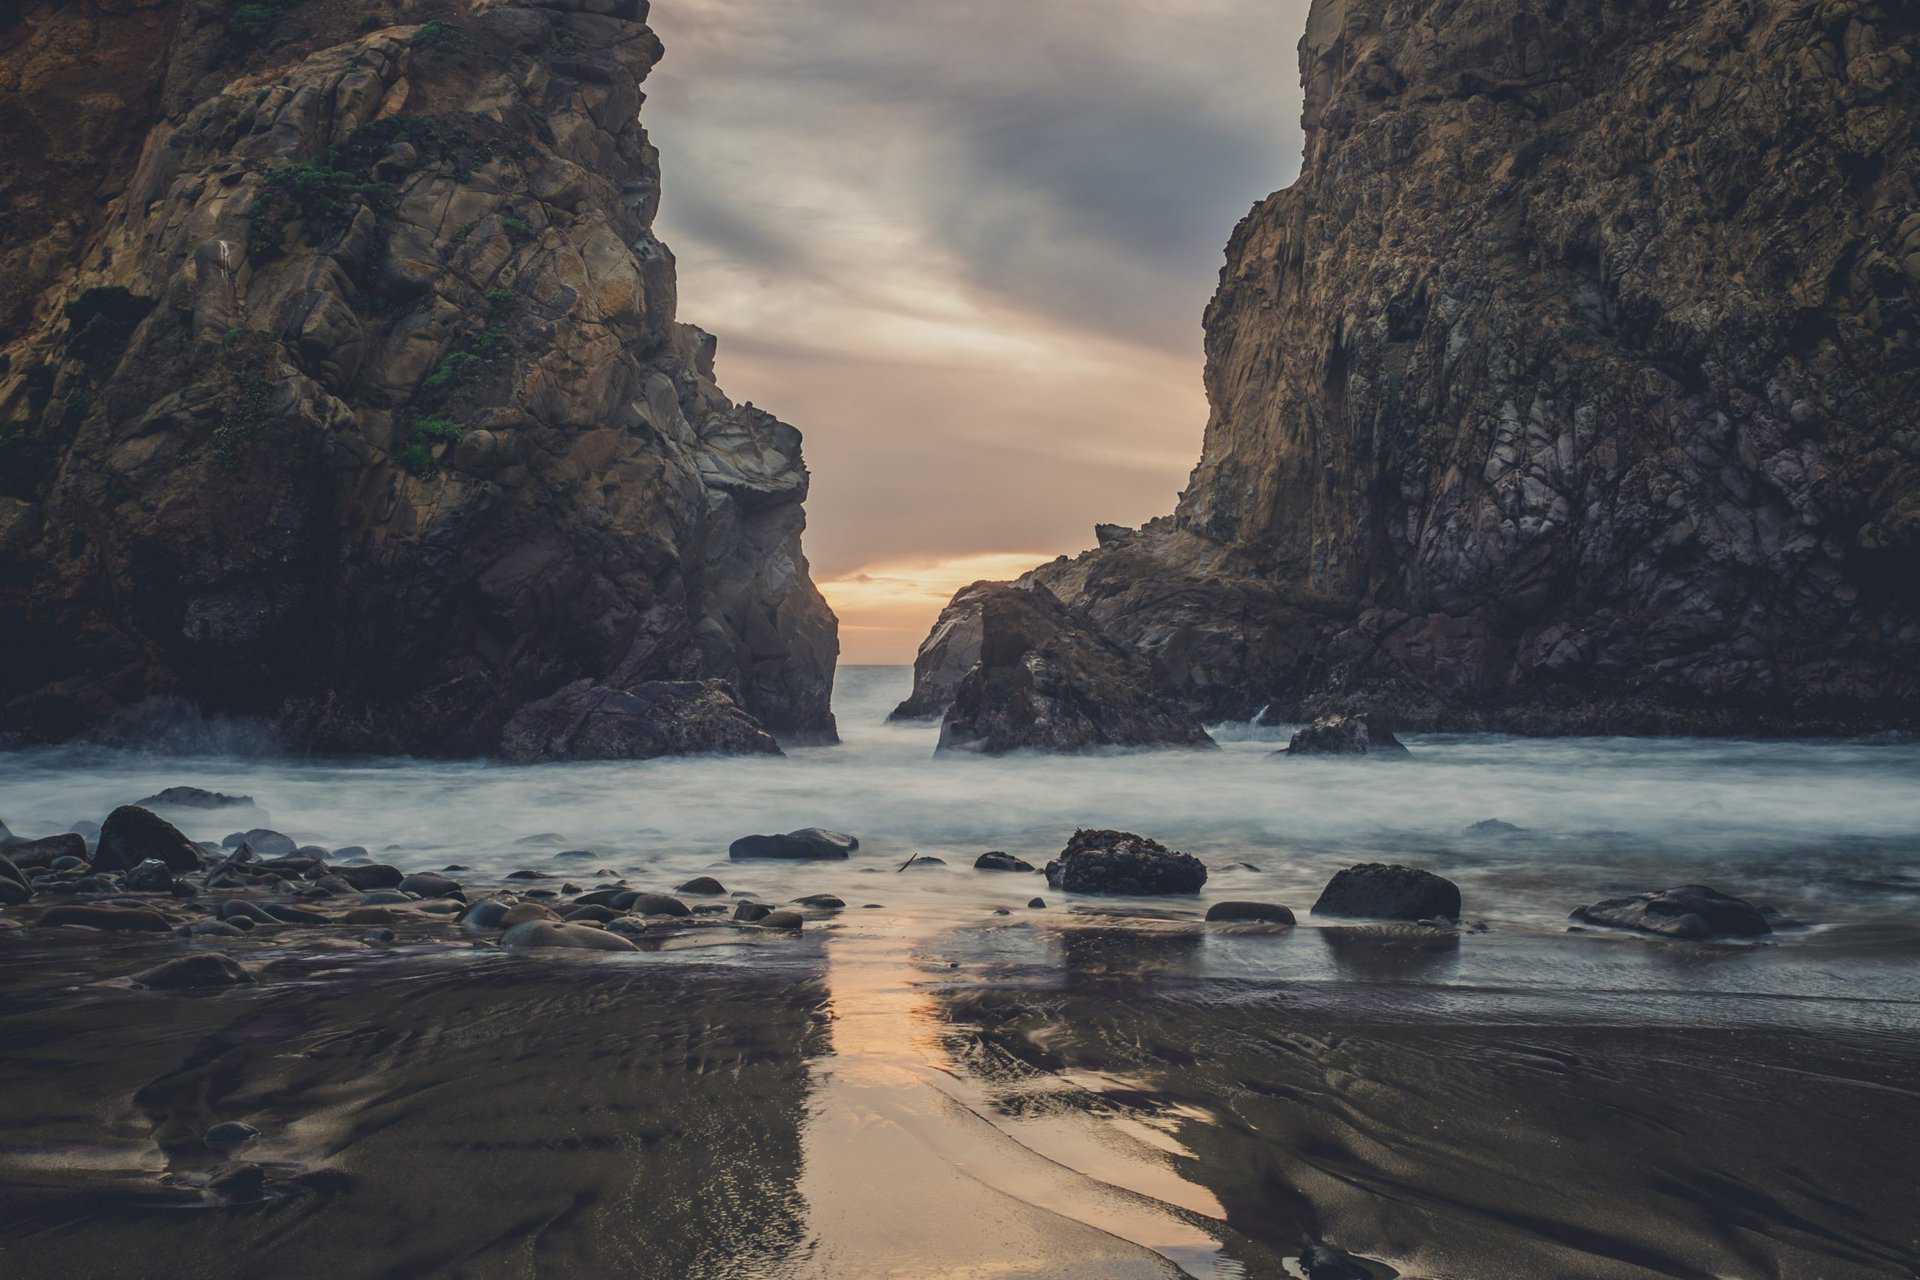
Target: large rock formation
{"x":1575,"y":385}
{"x":1039,"y":677}
{"x":341,"y":385}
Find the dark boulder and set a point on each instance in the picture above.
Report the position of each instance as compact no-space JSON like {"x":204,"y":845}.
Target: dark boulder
{"x":1125,"y":863}
{"x":650,"y":904}
{"x":587,"y":721}
{"x":131,"y":835}
{"x":150,"y":876}
{"x":806,"y":843}
{"x":263,"y":841}
{"x":8,"y":871}
{"x":1689,"y":911}
{"x":195,"y":798}
{"x":536,"y":935}
{"x":14,"y":892}
{"x":372,"y":875}
{"x":1038,"y":904}
{"x":205,"y":969}
{"x":1048,"y":680}
{"x":1494,"y":829}
{"x":749,"y":912}
{"x":47,"y":850}
{"x":233,"y":1133}
{"x":116,"y":919}
{"x":1384,"y":892}
{"x":590,"y":911}
{"x":701,"y":885}
{"x":1263,"y":912}
{"x":821,"y":902}
{"x":997,"y":861}
{"x":428,"y":884}
{"x":1350,"y":735}
{"x":782,"y":919}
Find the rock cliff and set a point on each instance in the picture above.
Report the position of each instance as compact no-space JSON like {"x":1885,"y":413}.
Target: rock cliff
{"x":1575,"y":384}
{"x":341,"y":385}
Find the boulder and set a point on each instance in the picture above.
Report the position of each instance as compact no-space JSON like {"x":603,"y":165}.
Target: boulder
{"x":1688,"y":911}
{"x":233,"y":1133}
{"x":1120,"y":862}
{"x":1048,"y":680}
{"x":1385,"y":892}
{"x":587,"y":721}
{"x":820,"y":902}
{"x":263,"y":841}
{"x":150,"y":876}
{"x":203,"y":969}
{"x":428,"y":884}
{"x":815,"y":843}
{"x":749,"y":912}
{"x":1263,"y":912}
{"x":701,"y":885}
{"x":47,"y":850}
{"x":131,"y":835}
{"x":534,"y":935}
{"x":114,"y":919}
{"x":372,"y":875}
{"x":782,"y":919}
{"x":997,"y":861}
{"x":14,"y":892}
{"x":9,"y":871}
{"x":194,"y":798}
{"x":650,"y":904}
{"x":1494,"y":829}
{"x":1346,"y":735}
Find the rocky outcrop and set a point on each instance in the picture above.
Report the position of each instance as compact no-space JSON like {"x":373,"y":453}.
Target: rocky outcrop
{"x":1124,"y":863}
{"x":1690,"y":911}
{"x":1575,"y":384}
{"x":1042,"y":678}
{"x":950,"y":650}
{"x":1360,"y":735}
{"x":585,"y":721}
{"x":341,"y":384}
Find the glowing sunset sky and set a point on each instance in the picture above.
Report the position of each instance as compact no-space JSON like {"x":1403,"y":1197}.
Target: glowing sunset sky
{"x":965,"y":248}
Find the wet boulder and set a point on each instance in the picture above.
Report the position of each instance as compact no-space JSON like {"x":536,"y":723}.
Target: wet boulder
{"x":588,"y":721}
{"x":150,"y":876}
{"x":994,"y":860}
{"x":536,"y":935}
{"x":47,"y":850}
{"x":750,"y":912}
{"x":1048,"y":679}
{"x":650,"y":904}
{"x":1688,"y":911}
{"x":186,"y":973}
{"x":371,"y":875}
{"x":821,"y":902}
{"x":264,"y":841}
{"x":808,"y":843}
{"x":706,"y":885}
{"x":1389,"y":892}
{"x":194,"y":798}
{"x":428,"y":884}
{"x":1120,"y":862}
{"x":131,"y":835}
{"x":1258,"y":912}
{"x":1346,"y":735}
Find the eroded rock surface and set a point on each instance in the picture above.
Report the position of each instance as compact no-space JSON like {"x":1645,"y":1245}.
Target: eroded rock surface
{"x":341,"y":385}
{"x":1690,"y":911}
{"x":1574,"y":386}
{"x":1121,"y":862}
{"x":1347,"y":735}
{"x":1044,"y":679}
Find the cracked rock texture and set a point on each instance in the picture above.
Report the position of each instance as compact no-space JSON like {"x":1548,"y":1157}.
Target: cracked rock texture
{"x":341,"y":386}
{"x":1574,"y":386}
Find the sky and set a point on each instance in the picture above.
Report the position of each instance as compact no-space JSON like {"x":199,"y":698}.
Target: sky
{"x":965,"y":249}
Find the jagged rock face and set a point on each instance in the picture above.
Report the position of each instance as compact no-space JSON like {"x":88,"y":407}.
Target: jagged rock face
{"x":1574,"y":385}
{"x":1045,"y":680}
{"x":346,"y":390}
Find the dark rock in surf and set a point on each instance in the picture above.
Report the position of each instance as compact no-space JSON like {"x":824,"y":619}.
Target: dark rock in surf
{"x":113,"y":919}
{"x":536,"y":935}
{"x":428,"y":884}
{"x":782,"y":919}
{"x":1047,"y":680}
{"x":150,"y":876}
{"x":131,"y":835}
{"x":1120,"y":862}
{"x":372,"y":875}
{"x":806,"y":843}
{"x":1038,"y":904}
{"x":233,"y":1133}
{"x":14,"y":892}
{"x":998,"y":861}
{"x":1688,"y":911}
{"x":195,"y":798}
{"x":1351,"y":735}
{"x":204,"y":969}
{"x":926,"y":860}
{"x":1389,"y":892}
{"x":820,"y":902}
{"x":264,"y":841}
{"x":702,"y":885}
{"x":588,"y":721}
{"x":47,"y":850}
{"x":1494,"y":829}
{"x":750,"y":912}
{"x":650,"y":904}
{"x":1261,"y":912}
{"x":590,"y":911}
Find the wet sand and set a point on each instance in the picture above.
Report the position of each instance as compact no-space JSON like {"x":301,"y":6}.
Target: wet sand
{"x":1077,"y":1094}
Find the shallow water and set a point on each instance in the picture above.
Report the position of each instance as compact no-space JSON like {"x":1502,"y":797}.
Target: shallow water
{"x":925,"y":1088}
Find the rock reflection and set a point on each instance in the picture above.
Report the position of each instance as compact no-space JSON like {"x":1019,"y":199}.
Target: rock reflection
{"x":1392,"y":953}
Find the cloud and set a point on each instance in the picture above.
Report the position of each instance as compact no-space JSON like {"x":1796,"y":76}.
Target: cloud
{"x":965,"y":248}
